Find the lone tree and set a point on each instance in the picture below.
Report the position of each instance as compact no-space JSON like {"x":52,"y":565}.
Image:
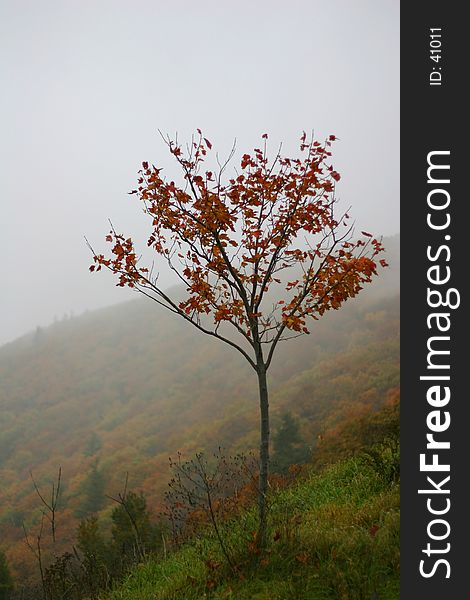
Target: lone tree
{"x":234,"y":241}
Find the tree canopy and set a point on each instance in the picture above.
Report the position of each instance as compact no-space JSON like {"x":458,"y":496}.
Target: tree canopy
{"x":230,"y":241}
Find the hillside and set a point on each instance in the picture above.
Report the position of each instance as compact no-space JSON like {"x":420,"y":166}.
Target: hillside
{"x":129,"y":385}
{"x":334,"y":535}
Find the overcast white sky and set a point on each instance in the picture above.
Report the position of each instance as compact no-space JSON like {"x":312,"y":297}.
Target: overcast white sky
{"x":87,"y":83}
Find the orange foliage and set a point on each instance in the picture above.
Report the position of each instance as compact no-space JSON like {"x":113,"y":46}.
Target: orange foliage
{"x":229,"y":241}
{"x":358,"y":427}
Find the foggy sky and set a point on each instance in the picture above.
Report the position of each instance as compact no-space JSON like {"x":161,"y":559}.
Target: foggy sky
{"x":86,"y":84}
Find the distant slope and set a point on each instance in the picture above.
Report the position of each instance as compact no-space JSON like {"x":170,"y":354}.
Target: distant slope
{"x":131,"y":384}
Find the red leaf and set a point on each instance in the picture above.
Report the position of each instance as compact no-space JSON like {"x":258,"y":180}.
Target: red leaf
{"x":208,"y":144}
{"x":302,"y":557}
{"x":373,"y":530}
{"x":336,"y":176}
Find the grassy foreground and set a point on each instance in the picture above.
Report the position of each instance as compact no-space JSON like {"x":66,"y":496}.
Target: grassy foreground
{"x":333,"y":536}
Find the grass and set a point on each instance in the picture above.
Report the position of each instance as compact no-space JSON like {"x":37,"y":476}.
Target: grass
{"x":333,"y":536}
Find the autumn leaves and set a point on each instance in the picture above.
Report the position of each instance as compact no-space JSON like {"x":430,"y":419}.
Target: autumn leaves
{"x":230,"y":239}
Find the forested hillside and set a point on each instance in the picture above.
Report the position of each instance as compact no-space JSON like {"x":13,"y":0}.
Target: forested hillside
{"x":120,"y":390}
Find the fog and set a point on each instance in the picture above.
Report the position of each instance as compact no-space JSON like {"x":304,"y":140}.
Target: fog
{"x":87,"y":84}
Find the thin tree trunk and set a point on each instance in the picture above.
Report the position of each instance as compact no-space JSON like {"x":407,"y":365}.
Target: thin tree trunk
{"x":263,"y":454}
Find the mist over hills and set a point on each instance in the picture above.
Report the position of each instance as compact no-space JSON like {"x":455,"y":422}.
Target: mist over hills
{"x":125,"y":387}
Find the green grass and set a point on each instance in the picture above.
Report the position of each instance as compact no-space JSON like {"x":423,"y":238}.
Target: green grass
{"x":333,"y":536}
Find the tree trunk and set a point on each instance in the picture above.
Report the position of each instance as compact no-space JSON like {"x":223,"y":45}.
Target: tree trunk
{"x":263,"y":454}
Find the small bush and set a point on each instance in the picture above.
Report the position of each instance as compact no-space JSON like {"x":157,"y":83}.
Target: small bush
{"x":384,"y":458}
